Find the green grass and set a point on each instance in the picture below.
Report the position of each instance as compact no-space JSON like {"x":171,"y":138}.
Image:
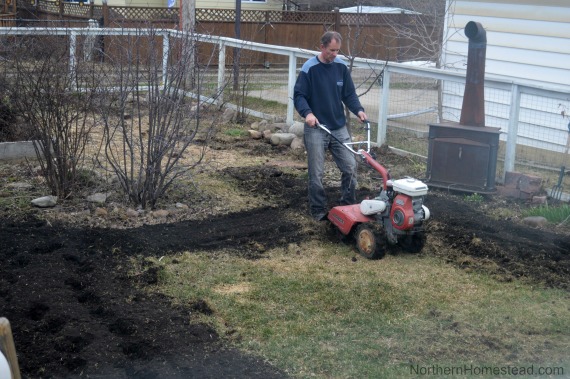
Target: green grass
{"x":15,"y":203}
{"x":474,"y":198}
{"x":313,"y":311}
{"x":554,"y":214}
{"x":236,"y":132}
{"x":265,"y":106}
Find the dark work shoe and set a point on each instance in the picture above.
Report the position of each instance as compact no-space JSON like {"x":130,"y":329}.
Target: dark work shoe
{"x":321,"y":218}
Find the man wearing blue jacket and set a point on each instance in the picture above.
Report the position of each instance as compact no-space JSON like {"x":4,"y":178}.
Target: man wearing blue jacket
{"x":323,"y":86}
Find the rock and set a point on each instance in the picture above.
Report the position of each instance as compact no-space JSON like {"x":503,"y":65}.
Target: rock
{"x":535,"y":221}
{"x":255,"y":134}
{"x":267,"y":134}
{"x":298,"y":129}
{"x":228,"y":115}
{"x":100,"y":212}
{"x":181,"y":206}
{"x":297,"y":143}
{"x":539,"y":200}
{"x":196,"y":107}
{"x":262,"y":125}
{"x":255,"y":126}
{"x":161,"y":213}
{"x":45,"y":201}
{"x":98,"y":198}
{"x":282,"y":139}
{"x":132,"y":213}
{"x":281,"y":126}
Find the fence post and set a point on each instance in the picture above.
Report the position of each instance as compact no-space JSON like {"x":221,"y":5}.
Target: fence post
{"x":165,"y":55}
{"x":336,"y":13}
{"x":383,"y":107}
{"x":61,"y":8}
{"x":106,"y":20}
{"x":221,"y":71}
{"x":291,"y":87}
{"x":72,"y":58}
{"x":511,"y":146}
{"x":266,"y":25}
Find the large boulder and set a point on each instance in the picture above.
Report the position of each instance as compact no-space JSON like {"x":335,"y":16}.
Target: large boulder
{"x":267,"y":135}
{"x":282,"y":139}
{"x":261,"y":125}
{"x":228,"y":115}
{"x":535,"y":221}
{"x":45,"y":201}
{"x":298,"y":129}
{"x":99,"y":198}
{"x":279,"y":126}
{"x":297,"y":143}
{"x":255,"y":134}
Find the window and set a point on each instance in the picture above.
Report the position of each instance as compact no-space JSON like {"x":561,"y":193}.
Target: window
{"x":253,"y":1}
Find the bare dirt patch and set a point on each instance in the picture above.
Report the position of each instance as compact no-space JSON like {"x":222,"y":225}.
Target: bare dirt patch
{"x":78,"y":305}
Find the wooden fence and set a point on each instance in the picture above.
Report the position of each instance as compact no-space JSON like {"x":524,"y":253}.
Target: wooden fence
{"x":378,"y":36}
{"x":8,"y":20}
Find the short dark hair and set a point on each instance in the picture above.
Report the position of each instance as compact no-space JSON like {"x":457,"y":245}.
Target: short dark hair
{"x":329,"y":36}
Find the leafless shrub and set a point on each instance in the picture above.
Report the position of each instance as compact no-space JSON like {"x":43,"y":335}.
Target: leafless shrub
{"x":134,"y":94}
{"x":420,"y":35}
{"x":42,"y":91}
{"x":149,"y":122}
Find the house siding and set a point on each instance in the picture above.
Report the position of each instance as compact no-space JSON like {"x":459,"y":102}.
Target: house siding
{"x":526,"y":39}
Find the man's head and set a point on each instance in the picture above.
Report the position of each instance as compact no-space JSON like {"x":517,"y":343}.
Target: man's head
{"x":330,"y":46}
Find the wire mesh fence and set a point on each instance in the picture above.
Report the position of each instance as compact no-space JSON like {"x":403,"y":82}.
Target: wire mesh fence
{"x":541,"y":135}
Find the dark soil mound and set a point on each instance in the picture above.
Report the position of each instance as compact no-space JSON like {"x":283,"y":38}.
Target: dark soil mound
{"x":76,"y":311}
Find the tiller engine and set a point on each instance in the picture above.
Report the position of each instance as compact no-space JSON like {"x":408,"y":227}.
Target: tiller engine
{"x":395,"y":217}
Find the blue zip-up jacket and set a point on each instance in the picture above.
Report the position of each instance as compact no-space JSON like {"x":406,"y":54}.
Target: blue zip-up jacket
{"x":322,"y":89}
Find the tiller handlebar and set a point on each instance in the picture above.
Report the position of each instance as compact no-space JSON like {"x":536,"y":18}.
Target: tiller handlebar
{"x":364,"y":154}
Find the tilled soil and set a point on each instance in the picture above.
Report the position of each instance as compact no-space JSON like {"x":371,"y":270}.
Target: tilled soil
{"x":77,"y":309}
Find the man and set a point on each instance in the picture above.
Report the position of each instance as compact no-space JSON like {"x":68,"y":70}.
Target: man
{"x":323,"y":86}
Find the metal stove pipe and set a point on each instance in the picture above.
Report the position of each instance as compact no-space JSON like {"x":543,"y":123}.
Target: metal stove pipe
{"x":473,"y":109}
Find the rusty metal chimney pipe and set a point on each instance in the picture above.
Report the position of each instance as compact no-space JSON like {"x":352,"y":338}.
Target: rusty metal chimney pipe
{"x":473,"y":109}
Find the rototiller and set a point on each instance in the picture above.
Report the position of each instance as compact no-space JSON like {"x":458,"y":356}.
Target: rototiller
{"x":394,"y":217}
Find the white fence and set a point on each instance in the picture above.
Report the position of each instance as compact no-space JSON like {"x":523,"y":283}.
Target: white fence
{"x":533,"y":119}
